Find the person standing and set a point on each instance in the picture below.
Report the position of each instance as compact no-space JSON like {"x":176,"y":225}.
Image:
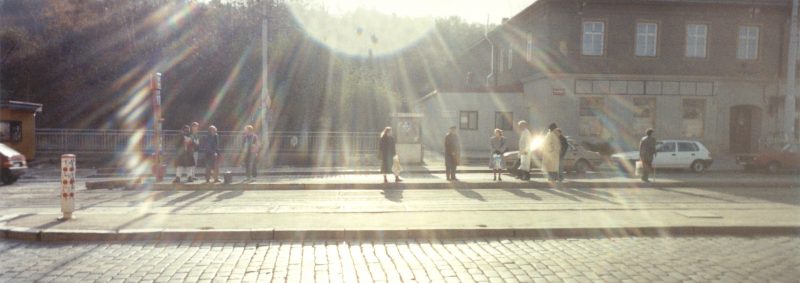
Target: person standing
{"x":497,"y":145}
{"x":195,"y":136}
{"x":647,"y":152}
{"x":386,"y":153}
{"x":212,"y":155}
{"x":250,"y":151}
{"x":550,"y":152}
{"x":564,"y":146}
{"x":184,"y":155}
{"x":524,"y":150}
{"x":452,"y":153}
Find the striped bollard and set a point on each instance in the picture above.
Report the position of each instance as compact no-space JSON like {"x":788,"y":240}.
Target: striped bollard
{"x":67,"y":186}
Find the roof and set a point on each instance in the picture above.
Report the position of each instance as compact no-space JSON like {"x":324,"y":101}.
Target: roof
{"x":20,"y":105}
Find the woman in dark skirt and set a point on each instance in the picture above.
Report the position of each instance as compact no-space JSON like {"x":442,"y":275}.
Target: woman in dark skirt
{"x":184,"y":155}
{"x":386,"y":153}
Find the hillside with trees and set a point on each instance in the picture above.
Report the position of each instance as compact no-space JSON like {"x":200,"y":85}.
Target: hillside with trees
{"x":88,"y":62}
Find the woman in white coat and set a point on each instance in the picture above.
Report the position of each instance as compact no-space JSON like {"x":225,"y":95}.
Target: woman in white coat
{"x":524,"y":151}
{"x":550,"y":153}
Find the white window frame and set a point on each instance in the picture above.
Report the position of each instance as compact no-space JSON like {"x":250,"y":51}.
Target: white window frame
{"x":529,"y":50}
{"x":593,"y":38}
{"x":646,"y":39}
{"x":748,"y":43}
{"x":696,"y":40}
{"x":510,"y":57}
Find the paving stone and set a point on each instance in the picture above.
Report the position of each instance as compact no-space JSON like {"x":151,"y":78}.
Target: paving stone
{"x":699,"y":259}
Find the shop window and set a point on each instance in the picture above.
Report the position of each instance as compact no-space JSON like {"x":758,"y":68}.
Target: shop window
{"x":644,"y":115}
{"x":693,"y":117}
{"x":468,"y":120}
{"x":11,"y":131}
{"x":590,"y":113}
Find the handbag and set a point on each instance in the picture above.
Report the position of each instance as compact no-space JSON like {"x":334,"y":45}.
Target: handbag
{"x":396,"y":168}
{"x":497,"y":160}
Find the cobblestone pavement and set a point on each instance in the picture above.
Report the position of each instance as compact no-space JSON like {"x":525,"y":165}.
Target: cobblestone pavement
{"x":698,"y":259}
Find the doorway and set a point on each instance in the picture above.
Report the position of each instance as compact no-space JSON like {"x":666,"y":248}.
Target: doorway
{"x":745,"y":123}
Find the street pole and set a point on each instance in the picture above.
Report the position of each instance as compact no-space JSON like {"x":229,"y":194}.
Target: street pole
{"x":155,"y":89}
{"x":265,"y":99}
{"x":791,"y":73}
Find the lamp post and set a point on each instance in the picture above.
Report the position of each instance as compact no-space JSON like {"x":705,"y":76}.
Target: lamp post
{"x":791,"y":72}
{"x":265,"y":99}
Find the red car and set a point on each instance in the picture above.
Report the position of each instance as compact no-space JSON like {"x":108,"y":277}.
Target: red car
{"x":12,"y":164}
{"x":777,"y":157}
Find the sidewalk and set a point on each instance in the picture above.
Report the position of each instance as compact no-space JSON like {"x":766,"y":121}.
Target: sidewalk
{"x":598,"y":205}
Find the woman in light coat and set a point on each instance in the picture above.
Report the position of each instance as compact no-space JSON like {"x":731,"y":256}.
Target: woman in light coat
{"x":551,"y":149}
{"x":497,"y":144}
{"x":524,"y":151}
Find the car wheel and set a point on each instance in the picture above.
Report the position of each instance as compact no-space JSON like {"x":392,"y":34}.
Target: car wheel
{"x":698,"y":166}
{"x":7,"y":178}
{"x":581,"y":166}
{"x":773,"y":167}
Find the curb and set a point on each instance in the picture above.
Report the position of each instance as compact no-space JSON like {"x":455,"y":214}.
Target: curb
{"x":139,"y":184}
{"x":57,"y":235}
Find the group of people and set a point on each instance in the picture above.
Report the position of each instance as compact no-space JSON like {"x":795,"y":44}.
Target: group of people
{"x":553,"y":149}
{"x":191,"y":149}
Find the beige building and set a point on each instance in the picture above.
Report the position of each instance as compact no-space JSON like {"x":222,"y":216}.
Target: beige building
{"x":606,"y":70}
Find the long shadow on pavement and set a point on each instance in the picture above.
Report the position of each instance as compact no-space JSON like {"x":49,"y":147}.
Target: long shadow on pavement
{"x":559,"y":194}
{"x":229,"y":195}
{"x":470,"y":194}
{"x":583,"y":194}
{"x":393,"y":192}
{"x":520,"y":193}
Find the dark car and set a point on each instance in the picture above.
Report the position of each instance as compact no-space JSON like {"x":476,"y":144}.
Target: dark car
{"x":12,"y":164}
{"x":777,"y":157}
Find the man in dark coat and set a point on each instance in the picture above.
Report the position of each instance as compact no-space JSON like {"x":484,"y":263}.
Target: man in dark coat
{"x":210,"y":146}
{"x":564,"y":146}
{"x":452,"y":153}
{"x":647,"y":151}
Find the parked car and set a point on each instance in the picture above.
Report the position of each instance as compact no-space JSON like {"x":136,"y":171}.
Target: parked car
{"x":12,"y":164}
{"x":775,"y":158}
{"x":674,"y":154}
{"x":578,"y":158}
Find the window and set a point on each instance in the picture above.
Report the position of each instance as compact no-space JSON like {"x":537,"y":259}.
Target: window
{"x":687,"y":147}
{"x":748,"y":43}
{"x":529,"y":50}
{"x":666,"y":147}
{"x":644,"y":115}
{"x":589,"y":114}
{"x":510,"y":57}
{"x":693,"y":117}
{"x":504,"y":121}
{"x":502,"y":60}
{"x":593,"y":38}
{"x":696,"y":40}
{"x":468,"y":120}
{"x":11,"y":131}
{"x":646,"y":39}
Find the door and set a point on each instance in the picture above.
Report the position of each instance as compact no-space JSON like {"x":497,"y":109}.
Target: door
{"x":687,"y":153}
{"x":666,"y":155}
{"x":744,"y":120}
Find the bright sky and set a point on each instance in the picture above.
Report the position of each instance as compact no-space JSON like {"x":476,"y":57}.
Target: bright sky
{"x":474,"y":11}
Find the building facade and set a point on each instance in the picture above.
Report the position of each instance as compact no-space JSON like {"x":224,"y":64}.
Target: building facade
{"x":607,"y":70}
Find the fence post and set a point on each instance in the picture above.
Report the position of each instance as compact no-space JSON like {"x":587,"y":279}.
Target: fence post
{"x":68,"y":168}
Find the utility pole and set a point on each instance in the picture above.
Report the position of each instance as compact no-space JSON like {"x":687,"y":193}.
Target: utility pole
{"x":265,"y":99}
{"x":791,"y":73}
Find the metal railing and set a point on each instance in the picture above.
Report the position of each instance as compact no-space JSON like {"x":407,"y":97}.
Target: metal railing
{"x":58,"y":141}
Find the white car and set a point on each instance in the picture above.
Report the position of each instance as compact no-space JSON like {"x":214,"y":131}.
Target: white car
{"x":675,"y":154}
